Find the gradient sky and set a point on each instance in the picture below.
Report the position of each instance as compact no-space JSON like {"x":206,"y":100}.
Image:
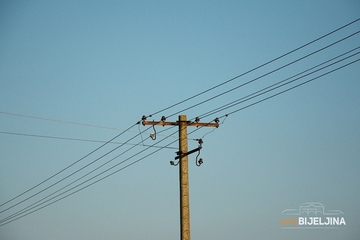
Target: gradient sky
{"x":107,"y":63}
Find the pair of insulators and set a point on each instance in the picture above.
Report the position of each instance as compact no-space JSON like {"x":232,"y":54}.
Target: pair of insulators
{"x":199,"y":162}
{"x":163,"y":118}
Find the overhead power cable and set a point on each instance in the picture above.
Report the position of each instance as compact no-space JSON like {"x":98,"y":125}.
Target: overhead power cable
{"x":291,"y":88}
{"x":69,"y":175}
{"x":203,"y":93}
{"x":282,"y":82}
{"x":41,"y":201}
{"x":8,"y":220}
{"x":60,"y":121}
{"x":216,"y":96}
{"x":69,"y":166}
{"x":256,"y":68}
{"x":25,"y":213}
{"x":74,"y":139}
{"x":266,"y":74}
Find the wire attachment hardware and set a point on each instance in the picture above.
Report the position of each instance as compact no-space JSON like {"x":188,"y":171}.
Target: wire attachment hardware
{"x":153,"y":135}
{"x":173,"y":163}
{"x":180,"y":155}
{"x":200,"y":161}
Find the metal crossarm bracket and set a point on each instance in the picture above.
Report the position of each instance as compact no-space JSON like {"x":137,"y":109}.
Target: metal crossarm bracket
{"x":188,"y":153}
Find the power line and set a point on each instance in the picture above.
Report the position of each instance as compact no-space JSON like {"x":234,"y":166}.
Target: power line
{"x":39,"y":202}
{"x":52,"y":185}
{"x":270,"y":72}
{"x":60,"y":121}
{"x":30,"y":207}
{"x":262,"y":91}
{"x":18,"y":215}
{"x":196,"y":95}
{"x":76,"y":170}
{"x":42,"y":182}
{"x":7,"y":219}
{"x":74,"y":139}
{"x":286,"y":90}
{"x":253,"y":69}
{"x":266,"y":74}
{"x":218,"y":86}
{"x":26,"y":211}
{"x":216,"y":96}
{"x":68,"y":175}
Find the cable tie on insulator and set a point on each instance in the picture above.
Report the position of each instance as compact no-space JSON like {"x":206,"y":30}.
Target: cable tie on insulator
{"x":172,"y":163}
{"x":143,"y":119}
{"x":163,"y":119}
{"x":200,"y":141}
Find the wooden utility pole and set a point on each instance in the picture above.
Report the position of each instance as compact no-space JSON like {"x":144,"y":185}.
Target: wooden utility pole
{"x":184,"y":180}
{"x":183,"y":168}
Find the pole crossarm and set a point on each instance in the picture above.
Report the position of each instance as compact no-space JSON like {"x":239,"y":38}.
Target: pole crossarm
{"x":177,"y":123}
{"x":159,"y":123}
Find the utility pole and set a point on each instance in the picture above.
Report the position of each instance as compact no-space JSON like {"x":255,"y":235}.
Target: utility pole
{"x":183,"y":168}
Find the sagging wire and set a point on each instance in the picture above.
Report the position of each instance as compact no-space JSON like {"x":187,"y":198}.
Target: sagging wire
{"x":217,"y":121}
{"x":153,"y":135}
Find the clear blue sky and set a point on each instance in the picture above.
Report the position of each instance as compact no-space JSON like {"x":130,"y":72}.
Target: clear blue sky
{"x":107,"y":63}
